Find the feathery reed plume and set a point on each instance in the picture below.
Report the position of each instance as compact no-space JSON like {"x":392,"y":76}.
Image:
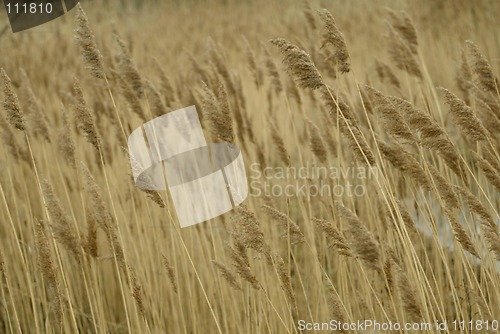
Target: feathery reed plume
{"x":133,"y":101}
{"x":155,"y":100}
{"x":293,"y":91}
{"x":242,"y":267}
{"x":336,"y":105}
{"x":390,"y":260}
{"x":392,"y":118}
{"x":405,"y":215}
{"x":332,"y":35}
{"x":11,"y":104}
{"x":279,"y":143}
{"x":460,"y":234}
{"x":227,"y":275}
{"x":405,"y":162}
{"x":284,"y":277}
{"x":286,"y":224}
{"x":219,"y":62}
{"x":465,"y":117}
{"x":170,"y":272}
{"x":444,"y":188}
{"x":88,"y":48}
{"x":308,"y":13}
{"x":403,"y":25}
{"x":299,"y":65}
{"x":272,"y":71}
{"x":481,"y":68}
{"x":37,"y":119}
{"x":217,"y":111}
{"x":128,"y":69}
{"x":490,"y":157}
{"x":252,"y":62}
{"x":401,"y":54}
{"x":432,"y":135}
{"x":168,"y":90}
{"x":487,"y":98}
{"x":328,"y":65}
{"x":145,"y":179}
{"x":316,"y":142}
{"x":100,"y":214}
{"x":333,"y":235}
{"x":385,"y":73}
{"x":65,"y":140}
{"x":61,"y":226}
{"x":477,"y":299}
{"x":90,"y":245}
{"x":137,"y":292}
{"x":488,"y":118}
{"x":357,"y":143}
{"x":84,"y":117}
{"x":47,"y":268}
{"x":247,"y":230}
{"x":488,"y":224}
{"x":336,"y":307}
{"x":463,"y":78}
{"x":407,"y":294}
{"x":2,"y":263}
{"x":362,"y":242}
{"x":98,"y":211}
{"x":489,"y":171}
{"x":13,"y":146}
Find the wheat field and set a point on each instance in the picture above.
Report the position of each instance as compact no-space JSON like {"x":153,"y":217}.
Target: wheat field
{"x":370,"y":132}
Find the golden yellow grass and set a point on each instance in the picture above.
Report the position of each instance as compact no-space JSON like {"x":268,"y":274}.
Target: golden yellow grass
{"x":408,"y":90}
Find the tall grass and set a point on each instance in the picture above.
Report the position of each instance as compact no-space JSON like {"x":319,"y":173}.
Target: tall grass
{"x":357,"y":87}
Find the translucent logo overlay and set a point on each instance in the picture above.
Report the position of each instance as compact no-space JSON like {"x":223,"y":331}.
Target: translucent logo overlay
{"x":26,"y":14}
{"x":204,"y":180}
